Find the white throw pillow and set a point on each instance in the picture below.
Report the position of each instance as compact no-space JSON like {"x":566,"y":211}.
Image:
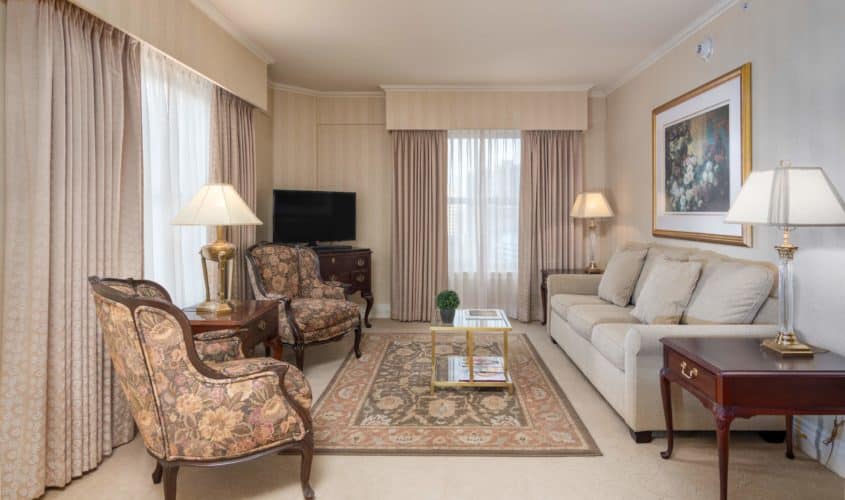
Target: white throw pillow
{"x":667,"y":291}
{"x":619,"y":279}
{"x":729,"y":293}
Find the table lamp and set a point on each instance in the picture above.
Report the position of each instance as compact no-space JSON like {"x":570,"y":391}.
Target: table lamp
{"x":787,"y":197}
{"x":216,"y":205}
{"x":591,"y":206}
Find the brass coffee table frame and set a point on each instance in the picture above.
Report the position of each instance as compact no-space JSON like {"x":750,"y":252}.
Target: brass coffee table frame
{"x":470,"y":327}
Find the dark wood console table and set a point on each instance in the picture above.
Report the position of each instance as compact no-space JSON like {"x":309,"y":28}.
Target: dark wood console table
{"x":352,"y":267}
{"x":737,"y":378}
{"x":260,"y":318}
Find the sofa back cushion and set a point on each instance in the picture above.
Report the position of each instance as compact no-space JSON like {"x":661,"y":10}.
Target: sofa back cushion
{"x":729,"y":292}
{"x":619,"y":279}
{"x":654,"y":254}
{"x":667,"y":291}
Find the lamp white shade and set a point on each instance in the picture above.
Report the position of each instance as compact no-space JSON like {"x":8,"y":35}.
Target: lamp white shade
{"x":216,"y":205}
{"x":591,"y":205}
{"x":788,"y":196}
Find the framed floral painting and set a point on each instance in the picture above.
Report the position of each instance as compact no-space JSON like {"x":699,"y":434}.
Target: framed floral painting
{"x":701,"y":156}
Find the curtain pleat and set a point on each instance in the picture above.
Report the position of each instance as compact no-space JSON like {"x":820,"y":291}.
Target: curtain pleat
{"x":419,"y":263}
{"x":552,"y":175}
{"x":72,"y":196}
{"x":233,"y":162}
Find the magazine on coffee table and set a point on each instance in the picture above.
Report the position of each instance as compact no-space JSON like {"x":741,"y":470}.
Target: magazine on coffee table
{"x":487,"y":368}
{"x":482,"y":314}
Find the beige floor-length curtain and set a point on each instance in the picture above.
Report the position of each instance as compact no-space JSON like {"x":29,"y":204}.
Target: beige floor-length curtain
{"x":552,"y":173}
{"x":233,"y":162}
{"x":419,"y":267}
{"x":72,"y":195}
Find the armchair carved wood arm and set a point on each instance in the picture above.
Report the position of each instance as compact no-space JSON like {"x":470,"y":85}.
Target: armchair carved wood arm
{"x":314,"y":311}
{"x":194,"y":412}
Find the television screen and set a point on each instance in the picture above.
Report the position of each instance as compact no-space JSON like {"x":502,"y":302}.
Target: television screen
{"x":312,"y":216}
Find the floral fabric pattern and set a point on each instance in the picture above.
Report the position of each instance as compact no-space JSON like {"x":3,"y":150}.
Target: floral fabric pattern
{"x":309,"y":277}
{"x":295,"y":383}
{"x":128,"y":361}
{"x":211,"y":418}
{"x":318,"y":319}
{"x":277,"y":269}
{"x":218,"y":345}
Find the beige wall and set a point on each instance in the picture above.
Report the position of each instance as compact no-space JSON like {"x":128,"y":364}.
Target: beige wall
{"x":339,"y":143}
{"x":185,"y":33}
{"x":798,"y":95}
{"x":2,"y":136}
{"x":474,"y":109}
{"x":595,"y":168}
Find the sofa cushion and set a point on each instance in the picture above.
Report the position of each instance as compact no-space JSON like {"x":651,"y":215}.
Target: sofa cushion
{"x":583,"y":318}
{"x":654,"y":254}
{"x":667,"y":291}
{"x":619,"y":279}
{"x":609,"y":340}
{"x":561,"y":303}
{"x":729,"y":293}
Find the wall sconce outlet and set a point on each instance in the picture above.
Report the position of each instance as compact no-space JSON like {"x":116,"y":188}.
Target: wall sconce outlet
{"x":704,"y":49}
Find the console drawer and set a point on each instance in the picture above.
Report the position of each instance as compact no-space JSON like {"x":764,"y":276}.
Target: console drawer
{"x":692,"y":374}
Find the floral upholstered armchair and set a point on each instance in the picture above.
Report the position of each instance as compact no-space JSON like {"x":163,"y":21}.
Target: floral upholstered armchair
{"x":315,"y":311}
{"x":190,"y":411}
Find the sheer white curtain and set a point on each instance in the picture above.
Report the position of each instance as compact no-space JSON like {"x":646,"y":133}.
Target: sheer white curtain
{"x":176,"y":109}
{"x":483,"y":214}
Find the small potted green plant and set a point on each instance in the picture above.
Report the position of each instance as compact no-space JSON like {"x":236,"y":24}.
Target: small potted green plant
{"x":447,"y":301}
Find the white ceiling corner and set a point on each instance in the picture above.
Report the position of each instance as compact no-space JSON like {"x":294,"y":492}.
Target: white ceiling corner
{"x":207,"y":8}
{"x":673,"y":42}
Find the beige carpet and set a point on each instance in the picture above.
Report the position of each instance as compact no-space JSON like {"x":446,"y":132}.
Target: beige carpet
{"x":383,"y":404}
{"x":758,"y":470}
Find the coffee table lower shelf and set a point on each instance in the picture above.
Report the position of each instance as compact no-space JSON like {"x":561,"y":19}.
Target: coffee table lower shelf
{"x":440,"y":377}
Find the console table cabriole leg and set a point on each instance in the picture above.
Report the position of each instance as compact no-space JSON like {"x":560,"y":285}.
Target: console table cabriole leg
{"x":666,"y":394}
{"x":368,"y":297}
{"x":789,"y":454}
{"x":724,"y":417}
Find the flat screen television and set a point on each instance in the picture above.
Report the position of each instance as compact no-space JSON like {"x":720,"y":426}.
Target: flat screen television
{"x":313,"y":216}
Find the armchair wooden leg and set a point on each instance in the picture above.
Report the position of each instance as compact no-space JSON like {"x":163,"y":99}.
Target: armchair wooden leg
{"x":170,"y":473}
{"x":305,"y":470}
{"x":299,"y":351}
{"x":358,"y":331}
{"x":157,"y":473}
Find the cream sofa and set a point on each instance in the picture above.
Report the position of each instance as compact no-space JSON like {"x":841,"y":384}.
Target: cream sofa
{"x":622,"y":357}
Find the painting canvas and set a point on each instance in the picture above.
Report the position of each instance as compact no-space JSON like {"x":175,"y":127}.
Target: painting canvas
{"x":702,"y":154}
{"x":697,"y":170}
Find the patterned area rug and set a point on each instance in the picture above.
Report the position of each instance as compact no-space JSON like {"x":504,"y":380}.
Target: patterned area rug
{"x":382,"y":404}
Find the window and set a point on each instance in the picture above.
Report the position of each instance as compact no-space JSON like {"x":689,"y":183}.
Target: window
{"x":483,"y":217}
{"x":176,"y":120}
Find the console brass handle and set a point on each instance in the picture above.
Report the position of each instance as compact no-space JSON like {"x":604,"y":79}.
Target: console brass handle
{"x":361,"y":262}
{"x":262,"y":325}
{"x":689,"y":375}
{"x":333,"y":260}
{"x":360,"y":278}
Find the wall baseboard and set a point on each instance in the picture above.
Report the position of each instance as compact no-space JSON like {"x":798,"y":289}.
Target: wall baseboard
{"x":381,"y":311}
{"x":810,"y":432}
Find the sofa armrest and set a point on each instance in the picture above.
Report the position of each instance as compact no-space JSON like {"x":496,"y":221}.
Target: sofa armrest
{"x":578,"y":284}
{"x":644,"y":340}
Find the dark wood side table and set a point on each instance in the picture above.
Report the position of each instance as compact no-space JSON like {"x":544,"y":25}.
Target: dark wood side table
{"x":351,"y":266}
{"x":544,"y":292}
{"x":736,"y":377}
{"x":260,"y":318}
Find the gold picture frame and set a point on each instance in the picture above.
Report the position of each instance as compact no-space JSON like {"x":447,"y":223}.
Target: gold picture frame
{"x":702,"y":224}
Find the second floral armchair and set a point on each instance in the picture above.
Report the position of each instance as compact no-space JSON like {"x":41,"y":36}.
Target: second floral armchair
{"x":314,"y":311}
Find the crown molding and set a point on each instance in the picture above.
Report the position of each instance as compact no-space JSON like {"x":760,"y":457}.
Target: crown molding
{"x":323,"y":93}
{"x":218,"y":18}
{"x":489,"y":88}
{"x":692,"y":28}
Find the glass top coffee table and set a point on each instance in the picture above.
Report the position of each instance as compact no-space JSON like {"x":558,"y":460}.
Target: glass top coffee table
{"x":470,"y":370}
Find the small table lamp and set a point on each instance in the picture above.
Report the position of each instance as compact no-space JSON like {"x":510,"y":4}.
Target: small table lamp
{"x":216,"y":205}
{"x":591,"y":206}
{"x":787,"y":197}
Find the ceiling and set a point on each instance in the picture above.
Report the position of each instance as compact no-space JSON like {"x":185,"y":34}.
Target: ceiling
{"x":357,"y":45}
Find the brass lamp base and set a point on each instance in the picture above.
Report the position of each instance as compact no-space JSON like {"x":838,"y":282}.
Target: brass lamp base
{"x":593,"y":268}
{"x":787,"y":346}
{"x":211,"y":306}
